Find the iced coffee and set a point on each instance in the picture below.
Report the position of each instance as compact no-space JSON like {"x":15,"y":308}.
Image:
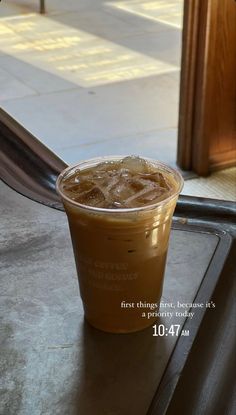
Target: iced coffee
{"x":119,"y":212}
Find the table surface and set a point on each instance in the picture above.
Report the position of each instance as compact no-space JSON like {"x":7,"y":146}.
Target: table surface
{"x":52,"y":361}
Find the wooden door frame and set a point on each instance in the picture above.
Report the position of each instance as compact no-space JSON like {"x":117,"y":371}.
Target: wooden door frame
{"x":199,"y":51}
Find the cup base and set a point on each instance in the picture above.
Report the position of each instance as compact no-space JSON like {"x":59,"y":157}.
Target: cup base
{"x":121,"y":330}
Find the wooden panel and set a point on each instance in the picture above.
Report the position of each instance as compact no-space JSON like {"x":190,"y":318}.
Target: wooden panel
{"x":207,"y":125}
{"x":187,"y":90}
{"x":200,"y":137}
{"x":225,"y":93}
{"x":221,"y":110}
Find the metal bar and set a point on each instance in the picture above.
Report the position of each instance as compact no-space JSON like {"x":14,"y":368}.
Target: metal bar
{"x":42,"y":6}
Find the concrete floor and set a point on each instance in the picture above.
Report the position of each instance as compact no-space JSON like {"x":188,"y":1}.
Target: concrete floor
{"x":94,"y":77}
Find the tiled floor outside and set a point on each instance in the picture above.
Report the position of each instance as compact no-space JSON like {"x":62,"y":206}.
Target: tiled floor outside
{"x":94,"y":77}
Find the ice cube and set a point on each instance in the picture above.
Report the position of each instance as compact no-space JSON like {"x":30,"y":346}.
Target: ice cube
{"x":151,"y":196}
{"x":93,"y":197}
{"x":162,"y":181}
{"x":121,"y":190}
{"x":112,"y":182}
{"x":70,"y":188}
{"x":138,"y":194}
{"x":124,"y":173}
{"x":134,"y":164}
{"x":105,"y":166}
{"x":135,"y":184}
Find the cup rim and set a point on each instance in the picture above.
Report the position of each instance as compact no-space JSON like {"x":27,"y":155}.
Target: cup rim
{"x":96,"y":160}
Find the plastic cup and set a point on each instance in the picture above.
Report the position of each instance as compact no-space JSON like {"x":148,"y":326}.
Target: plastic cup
{"x":120,"y":254}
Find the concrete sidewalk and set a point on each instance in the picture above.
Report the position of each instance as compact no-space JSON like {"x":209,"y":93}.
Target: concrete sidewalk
{"x":94,"y":77}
